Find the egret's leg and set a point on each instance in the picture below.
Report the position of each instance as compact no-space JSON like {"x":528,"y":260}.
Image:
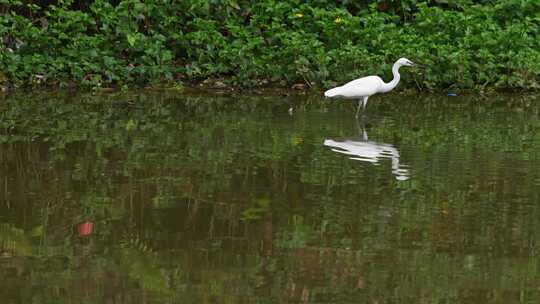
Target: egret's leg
{"x":358,"y":109}
{"x":362,"y":104}
{"x":365,"y":102}
{"x":360,"y":124}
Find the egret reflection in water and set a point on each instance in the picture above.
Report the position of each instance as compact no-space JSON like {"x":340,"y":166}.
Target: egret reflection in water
{"x":363,"y":149}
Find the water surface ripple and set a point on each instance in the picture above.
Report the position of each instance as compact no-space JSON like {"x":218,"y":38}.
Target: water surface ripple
{"x":199,"y":198}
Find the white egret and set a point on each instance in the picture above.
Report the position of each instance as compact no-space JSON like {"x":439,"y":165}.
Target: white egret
{"x":363,"y":88}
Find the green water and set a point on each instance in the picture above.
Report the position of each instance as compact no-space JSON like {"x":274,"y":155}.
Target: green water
{"x":171,"y":198}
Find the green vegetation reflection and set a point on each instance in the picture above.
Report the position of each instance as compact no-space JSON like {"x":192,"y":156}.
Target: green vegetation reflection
{"x":203,"y":199}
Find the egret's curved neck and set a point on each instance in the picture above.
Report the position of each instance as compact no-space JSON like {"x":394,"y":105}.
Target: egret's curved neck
{"x":392,"y":84}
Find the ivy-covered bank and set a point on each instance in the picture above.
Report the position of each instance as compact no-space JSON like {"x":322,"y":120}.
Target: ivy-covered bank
{"x":466,"y":44}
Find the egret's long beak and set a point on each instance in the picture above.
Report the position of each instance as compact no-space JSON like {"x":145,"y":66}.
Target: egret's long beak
{"x":416,"y":65}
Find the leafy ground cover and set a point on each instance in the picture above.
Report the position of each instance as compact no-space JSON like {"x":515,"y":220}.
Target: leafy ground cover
{"x":466,"y":44}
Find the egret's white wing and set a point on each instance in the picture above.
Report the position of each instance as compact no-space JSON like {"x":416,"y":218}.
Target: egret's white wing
{"x":365,"y":86}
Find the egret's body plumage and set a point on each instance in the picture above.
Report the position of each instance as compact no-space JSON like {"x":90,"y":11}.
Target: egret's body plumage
{"x":358,"y":88}
{"x":363,"y":88}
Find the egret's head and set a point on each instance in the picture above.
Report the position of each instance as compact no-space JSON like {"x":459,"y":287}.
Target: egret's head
{"x":405,"y":62}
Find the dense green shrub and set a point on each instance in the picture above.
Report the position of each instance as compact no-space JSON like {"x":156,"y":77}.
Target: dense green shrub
{"x":465,"y":43}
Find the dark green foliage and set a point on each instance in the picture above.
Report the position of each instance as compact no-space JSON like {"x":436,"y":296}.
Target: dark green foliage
{"x":466,"y":44}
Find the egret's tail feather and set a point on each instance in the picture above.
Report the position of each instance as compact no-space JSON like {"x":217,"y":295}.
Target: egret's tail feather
{"x":332,"y":92}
